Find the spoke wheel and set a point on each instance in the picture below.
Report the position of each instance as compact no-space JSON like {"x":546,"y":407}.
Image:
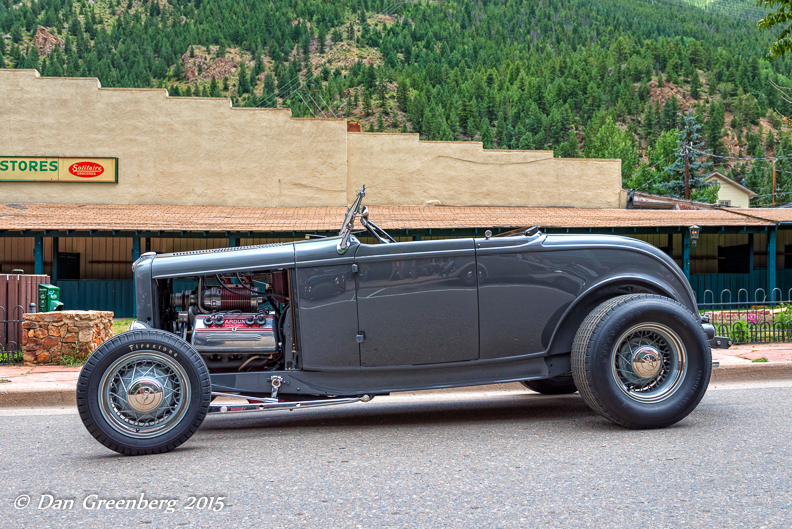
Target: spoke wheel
{"x":649,"y":362}
{"x":143,"y":392}
{"x":144,"y":395}
{"x":641,"y":361}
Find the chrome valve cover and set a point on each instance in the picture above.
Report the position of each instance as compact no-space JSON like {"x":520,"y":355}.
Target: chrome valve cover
{"x":220,"y":333}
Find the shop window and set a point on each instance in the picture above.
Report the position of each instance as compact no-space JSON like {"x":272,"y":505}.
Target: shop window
{"x":734,"y":259}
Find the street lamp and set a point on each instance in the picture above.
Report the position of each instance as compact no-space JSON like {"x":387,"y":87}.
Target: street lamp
{"x":694,"y":234}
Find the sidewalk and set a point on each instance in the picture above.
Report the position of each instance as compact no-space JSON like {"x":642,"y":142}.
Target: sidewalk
{"x":45,"y":386}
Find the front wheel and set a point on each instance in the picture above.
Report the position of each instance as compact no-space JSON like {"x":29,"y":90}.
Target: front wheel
{"x":143,"y":392}
{"x":641,"y":360}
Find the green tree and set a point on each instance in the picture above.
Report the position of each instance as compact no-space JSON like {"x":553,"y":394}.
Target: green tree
{"x":651,"y":175}
{"x":616,"y":143}
{"x":695,"y":85}
{"x":367,"y":108}
{"x":486,"y":133}
{"x":780,"y":15}
{"x":689,"y":148}
{"x":713,"y":128}
{"x":214,"y":89}
{"x":243,"y":86}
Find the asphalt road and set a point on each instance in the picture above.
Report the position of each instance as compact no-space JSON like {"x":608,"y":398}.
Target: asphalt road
{"x":507,"y":458}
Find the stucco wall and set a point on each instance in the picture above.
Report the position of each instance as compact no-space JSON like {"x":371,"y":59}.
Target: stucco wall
{"x":170,"y":150}
{"x":200,"y":151}
{"x":401,"y":170}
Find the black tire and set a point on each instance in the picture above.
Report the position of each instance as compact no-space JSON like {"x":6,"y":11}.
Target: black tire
{"x":560,"y":385}
{"x":176,"y":384}
{"x":629,"y":337}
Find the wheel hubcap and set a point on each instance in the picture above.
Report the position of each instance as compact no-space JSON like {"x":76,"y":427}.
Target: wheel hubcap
{"x":649,"y":362}
{"x":646,"y":362}
{"x":144,"y":394}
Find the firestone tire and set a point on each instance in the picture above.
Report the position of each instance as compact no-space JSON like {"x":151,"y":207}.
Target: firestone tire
{"x":560,"y":385}
{"x":641,"y":361}
{"x":143,"y":392}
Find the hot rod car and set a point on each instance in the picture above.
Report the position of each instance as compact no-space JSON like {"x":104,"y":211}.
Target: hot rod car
{"x":332,"y":320}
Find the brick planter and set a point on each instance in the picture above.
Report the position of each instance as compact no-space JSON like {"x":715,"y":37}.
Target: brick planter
{"x":49,"y":335}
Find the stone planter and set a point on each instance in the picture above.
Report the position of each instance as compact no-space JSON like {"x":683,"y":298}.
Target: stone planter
{"x":47,"y":336}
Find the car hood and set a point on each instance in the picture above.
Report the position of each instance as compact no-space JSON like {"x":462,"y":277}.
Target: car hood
{"x":223,"y":260}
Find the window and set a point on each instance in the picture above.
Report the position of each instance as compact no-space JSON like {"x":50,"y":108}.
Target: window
{"x":724,"y":203}
{"x":734,"y":259}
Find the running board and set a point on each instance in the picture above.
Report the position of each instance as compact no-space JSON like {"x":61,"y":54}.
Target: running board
{"x":266,"y":404}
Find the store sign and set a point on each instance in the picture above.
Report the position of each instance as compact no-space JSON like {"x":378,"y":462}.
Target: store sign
{"x":24,"y":169}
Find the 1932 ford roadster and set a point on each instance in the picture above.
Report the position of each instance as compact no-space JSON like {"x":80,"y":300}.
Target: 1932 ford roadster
{"x":332,"y":320}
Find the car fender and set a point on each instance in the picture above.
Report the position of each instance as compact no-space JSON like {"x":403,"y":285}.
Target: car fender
{"x":565,"y":327}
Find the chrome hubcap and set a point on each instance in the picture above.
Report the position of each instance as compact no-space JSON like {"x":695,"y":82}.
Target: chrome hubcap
{"x":646,"y":362}
{"x":144,"y":394}
{"x":649,"y":362}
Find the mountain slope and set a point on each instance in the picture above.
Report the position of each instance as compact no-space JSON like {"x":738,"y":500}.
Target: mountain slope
{"x":513,"y":74}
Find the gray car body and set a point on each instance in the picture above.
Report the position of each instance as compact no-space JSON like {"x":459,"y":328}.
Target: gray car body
{"x":416,"y":315}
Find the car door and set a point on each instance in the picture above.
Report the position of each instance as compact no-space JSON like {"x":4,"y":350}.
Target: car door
{"x":522,"y":291}
{"x":327,"y":311}
{"x":417,"y":302}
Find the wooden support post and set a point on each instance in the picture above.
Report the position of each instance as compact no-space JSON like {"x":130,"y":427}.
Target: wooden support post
{"x":148,"y":244}
{"x":771,"y":263}
{"x":135,"y":248}
{"x":686,"y":253}
{"x":751,"y":264}
{"x":54,"y":259}
{"x":38,"y":255}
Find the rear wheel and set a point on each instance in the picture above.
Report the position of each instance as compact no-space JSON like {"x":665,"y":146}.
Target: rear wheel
{"x":560,"y":385}
{"x":641,"y":361}
{"x":143,"y":392}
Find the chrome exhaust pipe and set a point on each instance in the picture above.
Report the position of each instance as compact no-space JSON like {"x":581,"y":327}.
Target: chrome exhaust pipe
{"x":266,"y":404}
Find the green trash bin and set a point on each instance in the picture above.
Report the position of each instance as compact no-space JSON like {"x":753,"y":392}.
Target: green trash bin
{"x":49,"y":298}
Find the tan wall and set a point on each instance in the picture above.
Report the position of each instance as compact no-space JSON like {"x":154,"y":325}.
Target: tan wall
{"x":200,"y":151}
{"x":401,"y":170}
{"x":170,"y":150}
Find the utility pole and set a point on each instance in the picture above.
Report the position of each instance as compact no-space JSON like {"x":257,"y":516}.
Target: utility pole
{"x":687,"y":173}
{"x":774,"y":184}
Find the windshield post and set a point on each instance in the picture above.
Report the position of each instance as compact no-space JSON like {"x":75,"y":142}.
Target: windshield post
{"x":349,"y":221}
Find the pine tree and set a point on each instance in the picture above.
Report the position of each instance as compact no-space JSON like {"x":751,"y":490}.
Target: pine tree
{"x":689,"y":147}
{"x":380,"y":122}
{"x":214,"y":89}
{"x":670,"y":115}
{"x":716,"y":118}
{"x":367,"y":102}
{"x":243,"y":86}
{"x":695,"y":85}
{"x":486,"y":133}
{"x":526,"y":142}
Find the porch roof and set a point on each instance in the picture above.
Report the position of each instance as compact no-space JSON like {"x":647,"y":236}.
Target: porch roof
{"x":120,"y":217}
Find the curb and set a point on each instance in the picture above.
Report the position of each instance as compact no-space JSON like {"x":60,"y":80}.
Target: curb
{"x":752,"y":372}
{"x":63,"y":394}
{"x":47,"y":395}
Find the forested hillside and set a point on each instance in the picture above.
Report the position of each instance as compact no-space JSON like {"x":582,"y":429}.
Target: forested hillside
{"x":610,"y":78}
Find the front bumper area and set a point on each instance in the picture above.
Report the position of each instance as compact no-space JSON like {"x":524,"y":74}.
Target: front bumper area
{"x":716,"y":342}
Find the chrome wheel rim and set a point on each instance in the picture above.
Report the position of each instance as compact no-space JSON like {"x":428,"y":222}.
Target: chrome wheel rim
{"x":144,"y":394}
{"x":649,"y":362}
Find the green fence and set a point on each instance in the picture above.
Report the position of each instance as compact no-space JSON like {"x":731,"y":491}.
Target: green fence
{"x":117,"y":295}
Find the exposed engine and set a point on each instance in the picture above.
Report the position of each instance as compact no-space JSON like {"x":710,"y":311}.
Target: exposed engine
{"x":234,"y":321}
